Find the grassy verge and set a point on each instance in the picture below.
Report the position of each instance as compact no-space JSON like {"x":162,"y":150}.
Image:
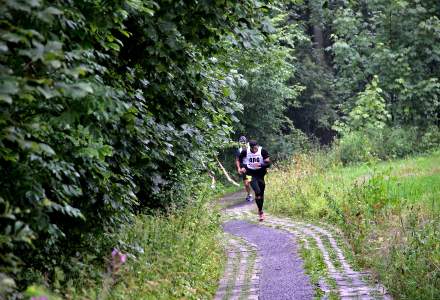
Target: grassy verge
{"x":181,"y":258}
{"x":389,"y":213}
{"x":224,"y":189}
{"x":173,"y":255}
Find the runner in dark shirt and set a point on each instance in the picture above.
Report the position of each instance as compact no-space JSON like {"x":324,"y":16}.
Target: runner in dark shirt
{"x":255,"y":163}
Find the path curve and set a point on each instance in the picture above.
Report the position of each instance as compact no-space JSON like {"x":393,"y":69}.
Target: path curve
{"x":275,"y":270}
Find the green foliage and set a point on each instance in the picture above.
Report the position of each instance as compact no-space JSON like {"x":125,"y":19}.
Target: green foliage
{"x":396,"y":142}
{"x":283,"y":146}
{"x":38,"y":292}
{"x":111,"y":108}
{"x":398,"y":42}
{"x":267,"y":93}
{"x":430,"y":139}
{"x":104,"y":105}
{"x":369,"y":113}
{"x":315,"y":109}
{"x":173,"y":255}
{"x":385,"y":143}
{"x":354,"y":147}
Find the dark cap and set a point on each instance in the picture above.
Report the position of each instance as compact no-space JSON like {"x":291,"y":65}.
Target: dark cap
{"x":253,"y":143}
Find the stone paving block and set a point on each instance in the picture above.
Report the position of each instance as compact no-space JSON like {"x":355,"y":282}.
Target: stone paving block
{"x":351,"y":284}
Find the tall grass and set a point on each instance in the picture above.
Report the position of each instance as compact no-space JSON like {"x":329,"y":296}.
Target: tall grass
{"x":388,"y":211}
{"x":181,"y":257}
{"x":171,"y":255}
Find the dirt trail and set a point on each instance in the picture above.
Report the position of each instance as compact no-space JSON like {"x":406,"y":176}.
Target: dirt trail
{"x":263,"y":262}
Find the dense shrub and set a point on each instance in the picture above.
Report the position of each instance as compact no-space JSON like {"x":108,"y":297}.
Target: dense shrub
{"x":430,"y":139}
{"x":386,"y":143}
{"x":397,"y":142}
{"x":282,"y":147}
{"x":104,"y":105}
{"x":354,"y":147}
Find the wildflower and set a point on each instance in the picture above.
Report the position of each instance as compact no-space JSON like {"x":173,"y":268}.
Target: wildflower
{"x":40,"y":298}
{"x":118,"y":259}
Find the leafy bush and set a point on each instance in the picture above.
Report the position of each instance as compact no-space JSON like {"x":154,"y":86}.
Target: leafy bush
{"x":284,"y":146}
{"x":386,"y":143}
{"x":354,"y":147}
{"x":103,"y":106}
{"x":430,"y":139}
{"x":397,"y":142}
{"x":368,"y":113}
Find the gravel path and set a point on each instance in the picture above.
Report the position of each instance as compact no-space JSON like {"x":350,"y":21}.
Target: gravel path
{"x":263,"y":262}
{"x":282,"y":274}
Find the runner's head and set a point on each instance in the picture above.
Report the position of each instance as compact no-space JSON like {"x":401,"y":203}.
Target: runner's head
{"x":253,"y":145}
{"x":242,"y":140}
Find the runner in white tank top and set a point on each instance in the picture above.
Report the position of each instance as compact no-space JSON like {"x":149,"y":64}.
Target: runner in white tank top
{"x":254,"y":162}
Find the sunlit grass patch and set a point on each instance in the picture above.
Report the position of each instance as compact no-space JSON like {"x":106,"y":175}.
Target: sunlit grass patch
{"x":388,"y":211}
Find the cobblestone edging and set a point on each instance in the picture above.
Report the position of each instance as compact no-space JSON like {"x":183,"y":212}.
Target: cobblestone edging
{"x":241,"y":277}
{"x":350,"y":284}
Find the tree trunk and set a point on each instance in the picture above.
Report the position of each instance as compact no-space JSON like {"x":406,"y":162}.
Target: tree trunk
{"x":316,"y":24}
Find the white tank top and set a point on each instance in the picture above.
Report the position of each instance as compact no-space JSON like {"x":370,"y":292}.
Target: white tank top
{"x":253,"y":159}
{"x":245,"y":159}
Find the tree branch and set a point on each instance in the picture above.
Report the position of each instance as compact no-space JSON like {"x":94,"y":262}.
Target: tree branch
{"x":226,"y":173}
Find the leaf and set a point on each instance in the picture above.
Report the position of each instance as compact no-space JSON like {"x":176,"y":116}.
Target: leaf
{"x":56,"y":64}
{"x":35,"y":53}
{"x":124,"y":32}
{"x":9,"y":87}
{"x":13,"y":38}
{"x":47,"y":149}
{"x":114,"y":46}
{"x":226,"y":91}
{"x":166,"y":26}
{"x":246,"y":44}
{"x":34,"y":3}
{"x":6,"y":98}
{"x":52,"y":11}
{"x":3,"y":47}
{"x":105,"y":150}
{"x":79,"y":90}
{"x":267,"y":26}
{"x":48,"y":92}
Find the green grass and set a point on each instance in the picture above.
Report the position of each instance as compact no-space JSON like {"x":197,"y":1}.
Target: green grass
{"x":388,"y":211}
{"x":176,"y":255}
{"x":225,"y":188}
{"x":416,"y":179}
{"x":182,"y":258}
{"x":248,"y":276}
{"x":314,"y":266}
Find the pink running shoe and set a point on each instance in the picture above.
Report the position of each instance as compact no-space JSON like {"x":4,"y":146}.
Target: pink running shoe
{"x":262,"y":216}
